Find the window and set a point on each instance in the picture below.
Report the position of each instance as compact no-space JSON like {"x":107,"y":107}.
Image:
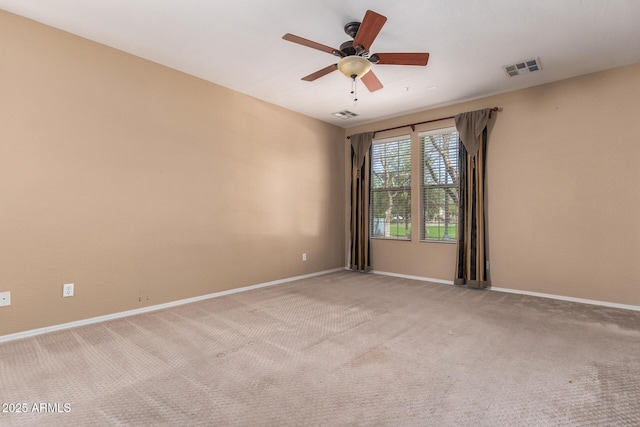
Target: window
{"x":391,"y":188}
{"x":439,"y":181}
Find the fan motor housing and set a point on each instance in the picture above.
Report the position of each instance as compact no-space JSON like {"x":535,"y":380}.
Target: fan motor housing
{"x":347,"y":48}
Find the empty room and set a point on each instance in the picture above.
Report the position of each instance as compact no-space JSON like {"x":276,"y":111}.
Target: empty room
{"x":327,"y":213}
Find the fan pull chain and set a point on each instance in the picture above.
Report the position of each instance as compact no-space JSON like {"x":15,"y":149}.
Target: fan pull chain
{"x":354,"y":89}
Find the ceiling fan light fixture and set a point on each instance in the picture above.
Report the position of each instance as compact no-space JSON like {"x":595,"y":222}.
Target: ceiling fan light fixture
{"x":354,"y":67}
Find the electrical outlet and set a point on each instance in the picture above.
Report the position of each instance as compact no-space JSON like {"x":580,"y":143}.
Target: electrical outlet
{"x":67,"y":290}
{"x":304,"y":257}
{"x":5,"y":298}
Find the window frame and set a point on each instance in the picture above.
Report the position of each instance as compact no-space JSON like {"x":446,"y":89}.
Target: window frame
{"x":408,"y":159}
{"x":424,"y":187}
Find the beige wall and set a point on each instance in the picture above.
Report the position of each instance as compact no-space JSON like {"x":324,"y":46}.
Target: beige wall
{"x":562,"y":184}
{"x":135,"y":181}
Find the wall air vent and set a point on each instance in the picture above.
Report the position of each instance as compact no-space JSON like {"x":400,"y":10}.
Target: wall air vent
{"x":346,"y":114}
{"x":523,"y":67}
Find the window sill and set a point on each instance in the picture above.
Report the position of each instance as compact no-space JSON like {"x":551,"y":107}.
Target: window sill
{"x":448,"y":242}
{"x":390,"y":238}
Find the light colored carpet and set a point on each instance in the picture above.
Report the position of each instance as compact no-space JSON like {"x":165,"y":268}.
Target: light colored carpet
{"x":340,"y":349}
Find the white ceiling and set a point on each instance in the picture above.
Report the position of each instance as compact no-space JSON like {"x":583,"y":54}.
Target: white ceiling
{"x":238,"y":44}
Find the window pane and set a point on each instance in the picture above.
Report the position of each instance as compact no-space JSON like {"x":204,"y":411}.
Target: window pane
{"x":440,"y":213}
{"x":391,"y":189}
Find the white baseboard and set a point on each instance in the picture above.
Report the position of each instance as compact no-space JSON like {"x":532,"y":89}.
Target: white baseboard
{"x":565,"y":298}
{"x":516,"y":291}
{"x":406,"y":276}
{"x":47,"y":329}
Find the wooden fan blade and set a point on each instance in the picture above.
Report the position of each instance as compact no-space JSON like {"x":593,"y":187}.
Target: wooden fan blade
{"x":311,"y":44}
{"x":371,"y":81}
{"x":326,"y":70}
{"x":402,"y":58}
{"x":369,"y":29}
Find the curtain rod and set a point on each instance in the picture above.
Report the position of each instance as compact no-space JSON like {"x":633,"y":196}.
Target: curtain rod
{"x":413,"y":125}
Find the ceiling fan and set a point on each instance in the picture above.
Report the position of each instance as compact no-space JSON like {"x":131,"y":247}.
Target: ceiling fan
{"x":355,"y":60}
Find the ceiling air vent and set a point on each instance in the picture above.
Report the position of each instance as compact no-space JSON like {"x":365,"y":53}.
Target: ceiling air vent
{"x":523,"y":67}
{"x":346,"y":114}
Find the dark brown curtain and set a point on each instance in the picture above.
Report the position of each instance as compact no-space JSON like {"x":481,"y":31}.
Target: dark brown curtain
{"x":471,"y":266}
{"x":359,"y":259}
